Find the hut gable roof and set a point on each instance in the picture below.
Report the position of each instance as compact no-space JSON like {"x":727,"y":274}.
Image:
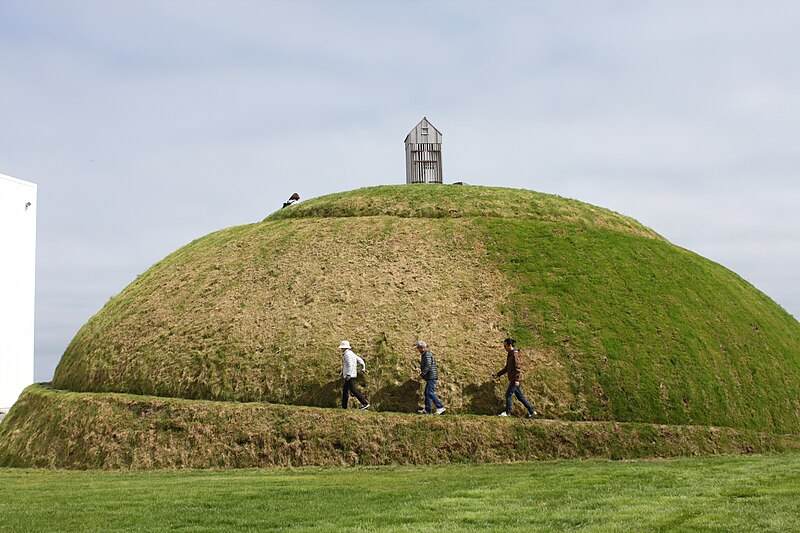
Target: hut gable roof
{"x":415,"y":135}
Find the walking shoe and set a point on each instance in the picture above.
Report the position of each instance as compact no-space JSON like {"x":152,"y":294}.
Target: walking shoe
{"x":503,"y":414}
{"x":440,"y":411}
{"x":364,"y":407}
{"x":422,"y":412}
{"x":532,"y":414}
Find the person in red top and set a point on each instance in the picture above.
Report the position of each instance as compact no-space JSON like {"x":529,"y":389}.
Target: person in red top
{"x":514,"y":377}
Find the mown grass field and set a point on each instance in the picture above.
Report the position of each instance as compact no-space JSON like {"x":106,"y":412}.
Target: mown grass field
{"x":732,"y":493}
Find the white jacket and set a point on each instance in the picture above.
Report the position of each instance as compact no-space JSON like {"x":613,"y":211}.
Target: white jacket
{"x":349,"y":360}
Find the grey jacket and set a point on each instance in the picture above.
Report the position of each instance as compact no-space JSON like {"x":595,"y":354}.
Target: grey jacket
{"x":428,"y":366}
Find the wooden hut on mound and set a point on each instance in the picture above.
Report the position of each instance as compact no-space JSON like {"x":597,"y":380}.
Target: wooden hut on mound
{"x":424,"y":154}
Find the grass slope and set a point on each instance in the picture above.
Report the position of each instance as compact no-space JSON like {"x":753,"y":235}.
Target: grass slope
{"x":615,"y":323}
{"x":711,"y":494}
{"x":60,"y":429}
{"x":647,"y":331}
{"x":255,"y":313}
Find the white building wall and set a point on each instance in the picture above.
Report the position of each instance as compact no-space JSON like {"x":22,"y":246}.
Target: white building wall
{"x":17,"y":286}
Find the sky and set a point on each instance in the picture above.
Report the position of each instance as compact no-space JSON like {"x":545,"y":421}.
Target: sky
{"x":149,"y":124}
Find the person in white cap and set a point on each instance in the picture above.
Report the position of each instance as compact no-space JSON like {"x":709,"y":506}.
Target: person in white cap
{"x":349,"y":373}
{"x":430,"y":374}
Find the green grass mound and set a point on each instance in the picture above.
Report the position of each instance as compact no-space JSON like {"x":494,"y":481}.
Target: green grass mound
{"x":57,"y":429}
{"x":615,"y":323}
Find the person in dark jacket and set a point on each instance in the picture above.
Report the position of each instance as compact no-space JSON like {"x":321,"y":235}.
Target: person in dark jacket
{"x":430,"y":374}
{"x":514,"y":372}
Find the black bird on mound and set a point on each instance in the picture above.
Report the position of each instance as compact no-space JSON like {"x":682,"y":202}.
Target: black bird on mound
{"x":292,"y":199}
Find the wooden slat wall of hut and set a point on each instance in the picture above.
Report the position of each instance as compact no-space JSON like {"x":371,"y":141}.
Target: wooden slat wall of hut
{"x":424,"y":154}
{"x":423,"y":163}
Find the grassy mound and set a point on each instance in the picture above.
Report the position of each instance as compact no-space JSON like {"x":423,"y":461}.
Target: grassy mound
{"x":58,"y":429}
{"x":615,"y":323}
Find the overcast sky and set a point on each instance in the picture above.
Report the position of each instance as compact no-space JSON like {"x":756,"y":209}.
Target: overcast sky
{"x":148,"y":124}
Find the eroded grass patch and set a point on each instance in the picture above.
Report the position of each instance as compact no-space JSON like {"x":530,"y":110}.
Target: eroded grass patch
{"x":255,"y":313}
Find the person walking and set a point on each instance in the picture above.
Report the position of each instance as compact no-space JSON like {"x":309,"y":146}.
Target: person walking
{"x":350,"y":373}
{"x":514,"y":372}
{"x":430,"y":374}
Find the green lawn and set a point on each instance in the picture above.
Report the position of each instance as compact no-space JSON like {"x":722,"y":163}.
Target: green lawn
{"x":734,"y":493}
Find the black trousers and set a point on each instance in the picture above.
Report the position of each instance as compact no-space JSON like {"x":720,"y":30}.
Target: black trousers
{"x":350,"y":388}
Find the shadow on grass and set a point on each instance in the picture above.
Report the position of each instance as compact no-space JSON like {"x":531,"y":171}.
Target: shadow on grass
{"x":328,"y":394}
{"x":483,"y":399}
{"x":406,"y":397}
{"x":403,"y":398}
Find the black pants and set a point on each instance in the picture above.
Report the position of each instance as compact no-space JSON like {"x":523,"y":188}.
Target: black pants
{"x":350,"y":388}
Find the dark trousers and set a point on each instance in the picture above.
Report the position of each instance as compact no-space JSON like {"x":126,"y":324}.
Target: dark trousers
{"x":430,"y":396}
{"x":350,"y":388}
{"x":516,"y":390}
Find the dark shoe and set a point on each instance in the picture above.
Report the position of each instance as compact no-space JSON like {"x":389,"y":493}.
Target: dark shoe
{"x":532,"y":414}
{"x":364,"y":407}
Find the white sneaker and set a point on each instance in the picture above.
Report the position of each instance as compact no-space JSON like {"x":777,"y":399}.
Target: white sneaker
{"x":503,"y":414}
{"x":440,"y":411}
{"x":365,"y":407}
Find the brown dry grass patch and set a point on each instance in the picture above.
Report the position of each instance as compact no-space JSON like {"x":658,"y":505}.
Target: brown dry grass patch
{"x":57,"y":429}
{"x":256,"y":314}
